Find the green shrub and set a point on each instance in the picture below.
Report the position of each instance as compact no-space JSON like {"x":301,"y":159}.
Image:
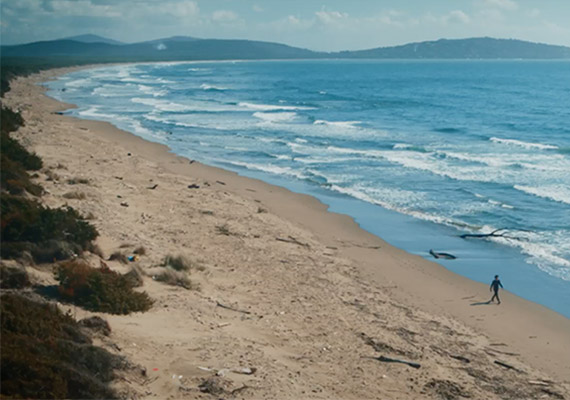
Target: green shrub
{"x":174,"y":278}
{"x":13,"y":277}
{"x":141,"y":251}
{"x":14,"y":178}
{"x":99,"y":289}
{"x":75,"y":195}
{"x":120,"y":257}
{"x":10,"y":121}
{"x":45,"y":355}
{"x":179,"y":263}
{"x":46,"y":233}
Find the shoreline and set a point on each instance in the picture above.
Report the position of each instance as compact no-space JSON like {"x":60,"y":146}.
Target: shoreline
{"x":536,"y":333}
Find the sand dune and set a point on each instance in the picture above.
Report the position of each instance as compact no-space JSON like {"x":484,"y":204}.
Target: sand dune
{"x":309,"y":297}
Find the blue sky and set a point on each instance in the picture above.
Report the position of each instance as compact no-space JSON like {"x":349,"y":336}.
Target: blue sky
{"x":317,"y":25}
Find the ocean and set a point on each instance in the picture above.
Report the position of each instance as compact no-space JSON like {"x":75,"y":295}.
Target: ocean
{"x":418,"y":152}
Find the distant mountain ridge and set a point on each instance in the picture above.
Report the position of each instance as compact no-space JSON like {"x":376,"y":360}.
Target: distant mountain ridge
{"x":472,"y":48}
{"x":179,"y":48}
{"x":90,"y":38}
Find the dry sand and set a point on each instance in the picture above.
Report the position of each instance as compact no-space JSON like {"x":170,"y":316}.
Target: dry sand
{"x":317,"y":302}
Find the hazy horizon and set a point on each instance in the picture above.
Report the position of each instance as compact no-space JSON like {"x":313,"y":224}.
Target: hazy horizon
{"x":319,"y":26}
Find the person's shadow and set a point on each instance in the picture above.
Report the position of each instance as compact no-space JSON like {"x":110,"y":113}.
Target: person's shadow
{"x":481,"y":303}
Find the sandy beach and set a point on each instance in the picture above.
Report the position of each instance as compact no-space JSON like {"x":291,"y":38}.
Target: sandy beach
{"x":283,"y":286}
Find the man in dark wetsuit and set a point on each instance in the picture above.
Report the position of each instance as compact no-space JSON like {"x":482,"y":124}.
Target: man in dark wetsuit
{"x":495,"y":287}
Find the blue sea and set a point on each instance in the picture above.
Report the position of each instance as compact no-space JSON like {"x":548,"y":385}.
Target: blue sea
{"x":418,"y":152}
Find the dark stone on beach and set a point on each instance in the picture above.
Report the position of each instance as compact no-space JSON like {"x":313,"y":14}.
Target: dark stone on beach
{"x":193,"y":186}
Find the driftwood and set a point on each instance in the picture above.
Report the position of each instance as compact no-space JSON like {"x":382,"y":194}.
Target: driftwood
{"x":507,"y":366}
{"x":460,"y":358}
{"x":153,"y":186}
{"x":231,"y":308}
{"x":446,"y":256}
{"x":291,"y":239}
{"x":395,"y":360}
{"x":501,"y":232}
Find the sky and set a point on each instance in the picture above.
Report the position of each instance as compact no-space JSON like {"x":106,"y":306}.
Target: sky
{"x":317,"y":25}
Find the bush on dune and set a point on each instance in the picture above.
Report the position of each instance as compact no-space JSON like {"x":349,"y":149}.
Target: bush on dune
{"x":46,"y":233}
{"x":46,"y":355}
{"x":99,"y":289}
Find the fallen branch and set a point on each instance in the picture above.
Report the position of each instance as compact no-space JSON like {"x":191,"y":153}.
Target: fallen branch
{"x":231,"y":308}
{"x":446,"y":256}
{"x":394,"y":360}
{"x":291,"y":239}
{"x":495,"y":233}
{"x":460,"y":358}
{"x":507,"y":366}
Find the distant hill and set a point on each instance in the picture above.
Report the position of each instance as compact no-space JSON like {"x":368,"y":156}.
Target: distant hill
{"x":175,"y":48}
{"x":91,"y":48}
{"x":90,"y":38}
{"x":475,"y":48}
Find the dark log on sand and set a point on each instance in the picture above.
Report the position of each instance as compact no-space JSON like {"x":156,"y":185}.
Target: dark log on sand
{"x":395,"y":360}
{"x":438,"y":254}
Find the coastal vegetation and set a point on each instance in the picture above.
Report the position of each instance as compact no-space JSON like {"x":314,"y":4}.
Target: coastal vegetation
{"x":46,"y":353}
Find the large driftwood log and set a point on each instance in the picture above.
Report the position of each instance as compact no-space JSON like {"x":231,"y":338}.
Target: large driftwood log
{"x":501,"y":232}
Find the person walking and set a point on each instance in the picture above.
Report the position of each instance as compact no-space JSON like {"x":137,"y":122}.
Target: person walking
{"x":495,"y":287}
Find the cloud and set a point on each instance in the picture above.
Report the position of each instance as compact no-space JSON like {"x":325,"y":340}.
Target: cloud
{"x":330,"y":17}
{"x":224,"y":16}
{"x":502,"y":4}
{"x":257,"y":8}
{"x":457,"y":16}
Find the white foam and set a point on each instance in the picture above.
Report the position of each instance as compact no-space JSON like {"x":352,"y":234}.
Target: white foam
{"x":83,"y":82}
{"x":162,"y":105}
{"x":270,"y":107}
{"x":93,"y":112}
{"x":526,"y":145}
{"x":560,"y":193}
{"x":272,"y":169}
{"x":339,"y":124}
{"x":275,"y":117}
{"x":205,"y":86}
{"x":152,"y":91}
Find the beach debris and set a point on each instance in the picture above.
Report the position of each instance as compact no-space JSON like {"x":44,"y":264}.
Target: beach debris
{"x":193,"y":186}
{"x":118,"y":177}
{"x":153,"y":186}
{"x":191,"y":161}
{"x":128,"y":154}
{"x":124,"y":204}
{"x":231,"y":308}
{"x":541,"y":382}
{"x":213,"y":385}
{"x":244,"y":371}
{"x":394,"y":360}
{"x":507,"y":366}
{"x":446,"y":256}
{"x":291,"y":239}
{"x":504,"y":234}
{"x":220,"y":182}
{"x":460,"y":358}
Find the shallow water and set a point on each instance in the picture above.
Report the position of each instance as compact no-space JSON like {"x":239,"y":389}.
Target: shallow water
{"x":417,"y":152}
